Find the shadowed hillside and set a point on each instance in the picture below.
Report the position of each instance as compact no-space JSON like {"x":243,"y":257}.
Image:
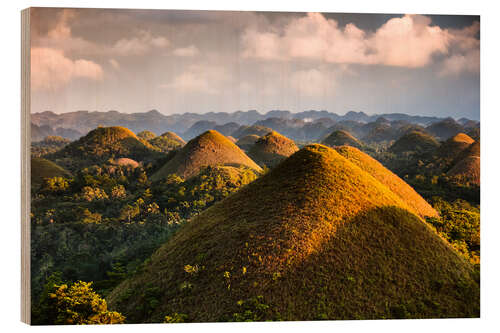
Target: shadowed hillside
{"x":42,"y":168}
{"x":167,"y":141}
{"x":452,"y":147}
{"x":315,"y":238}
{"x":249,"y":130}
{"x":341,"y":138}
{"x":102,"y":144}
{"x":414,"y":141}
{"x":209,"y":149}
{"x":247,"y":141}
{"x":271,"y":149}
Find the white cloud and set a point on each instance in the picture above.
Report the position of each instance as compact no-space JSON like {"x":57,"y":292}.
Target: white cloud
{"x":312,"y":82}
{"x":410,"y":41}
{"x":200,"y":79}
{"x":115,"y":64}
{"x":141,"y":44}
{"x":189,"y":51}
{"x":459,"y":63}
{"x":51,"y":69}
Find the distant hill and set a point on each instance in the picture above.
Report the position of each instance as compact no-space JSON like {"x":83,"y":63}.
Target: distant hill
{"x":247,"y":141}
{"x":341,"y":138}
{"x":315,"y":238}
{"x":414,"y":141}
{"x":232,"y":139}
{"x":42,"y":168}
{"x":467,"y":166}
{"x":49,"y":144}
{"x":208,"y":149}
{"x":452,"y":147}
{"x":38,"y":133}
{"x":249,"y":130}
{"x":167,"y":141}
{"x":198,"y":128}
{"x":271,"y":149}
{"x":146,"y":135}
{"x":227,"y":129}
{"x":102,"y":144}
{"x":445,"y":129}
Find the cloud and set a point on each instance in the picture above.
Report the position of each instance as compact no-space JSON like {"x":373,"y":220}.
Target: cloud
{"x":51,"y":69}
{"x":312,"y":83}
{"x":459,"y":63}
{"x":410,"y":41}
{"x":141,"y":44}
{"x":115,"y":64}
{"x":189,"y":51}
{"x":200,"y":79}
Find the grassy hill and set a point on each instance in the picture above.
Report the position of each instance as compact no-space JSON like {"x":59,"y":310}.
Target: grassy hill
{"x":416,"y":203}
{"x":42,"y":168}
{"x":247,"y":141}
{"x":467,"y":166}
{"x":315,"y":238}
{"x":414,"y":141}
{"x":100,"y":145}
{"x":249,"y":130}
{"x":167,"y":141}
{"x":146,"y":135}
{"x":271,"y":149}
{"x":208,"y":149}
{"x":451,"y":148}
{"x":341,"y":138}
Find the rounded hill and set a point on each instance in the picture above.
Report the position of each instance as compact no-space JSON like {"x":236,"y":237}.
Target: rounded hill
{"x":249,"y":130}
{"x":271,"y":149}
{"x":101,"y":144}
{"x":414,"y":141}
{"x":467,"y":170}
{"x":42,"y":168}
{"x":208,"y":149}
{"x":341,"y":138}
{"x":247,"y":141}
{"x":452,"y":147}
{"x":315,"y":238}
{"x":146,"y":135}
{"x":167,"y":141}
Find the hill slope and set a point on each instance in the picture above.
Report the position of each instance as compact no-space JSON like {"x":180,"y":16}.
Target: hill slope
{"x":167,"y":141}
{"x":452,"y":147}
{"x":101,"y":144}
{"x":209,"y":149}
{"x":414,"y":141}
{"x":247,"y":141}
{"x":417,"y":204}
{"x":271,"y":149}
{"x":42,"y":168}
{"x":315,"y":238}
{"x":341,"y":138}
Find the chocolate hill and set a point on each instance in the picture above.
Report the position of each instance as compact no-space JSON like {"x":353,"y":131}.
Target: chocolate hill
{"x":167,"y":141}
{"x":452,"y":147}
{"x":271,"y":149}
{"x":42,"y":168}
{"x":247,"y":141}
{"x":414,"y":141}
{"x":208,"y":149}
{"x":341,"y":138}
{"x":315,"y":238}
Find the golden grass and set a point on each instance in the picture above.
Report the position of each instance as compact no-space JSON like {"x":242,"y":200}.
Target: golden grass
{"x":208,"y":149}
{"x":468,"y":169}
{"x":318,"y":238}
{"x":416,"y":203}
{"x":271,"y":149}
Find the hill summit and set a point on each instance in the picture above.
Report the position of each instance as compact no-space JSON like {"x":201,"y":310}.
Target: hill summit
{"x":452,"y":147}
{"x":341,"y":138}
{"x":414,"y":141}
{"x":167,"y":141}
{"x":271,"y":149}
{"x":317,"y":237}
{"x":208,"y":149}
{"x":101,"y":144}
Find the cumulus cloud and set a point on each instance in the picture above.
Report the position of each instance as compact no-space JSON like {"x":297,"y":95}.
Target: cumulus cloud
{"x":141,"y":44}
{"x":311,"y":82}
{"x":199,"y":79}
{"x":51,"y":69}
{"x":189,"y":51}
{"x":115,"y":64}
{"x":410,"y":41}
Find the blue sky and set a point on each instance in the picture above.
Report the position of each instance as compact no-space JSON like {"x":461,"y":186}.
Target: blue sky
{"x":201,"y":61}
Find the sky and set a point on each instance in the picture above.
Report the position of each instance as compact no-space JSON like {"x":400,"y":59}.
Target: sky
{"x":223,"y":61}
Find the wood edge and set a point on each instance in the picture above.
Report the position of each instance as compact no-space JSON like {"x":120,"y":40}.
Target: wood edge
{"x":25,"y":167}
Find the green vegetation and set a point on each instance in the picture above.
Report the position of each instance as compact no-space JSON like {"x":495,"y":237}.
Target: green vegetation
{"x":41,"y":169}
{"x":341,"y":138}
{"x":146,"y":135}
{"x":167,"y":141}
{"x":315,"y":238}
{"x":414,"y":141}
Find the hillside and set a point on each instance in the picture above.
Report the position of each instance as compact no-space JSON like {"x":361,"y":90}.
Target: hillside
{"x":42,"y":168}
{"x":146,"y":135}
{"x":414,"y":141}
{"x":167,"y":141}
{"x":102,"y":144}
{"x":452,"y":147}
{"x":445,"y":129}
{"x":315,"y":238}
{"x":208,"y":149}
{"x":407,"y":194}
{"x":271,"y":149}
{"x":247,"y":141}
{"x":467,"y":170}
{"x":341,"y":138}
{"x":251,"y":130}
